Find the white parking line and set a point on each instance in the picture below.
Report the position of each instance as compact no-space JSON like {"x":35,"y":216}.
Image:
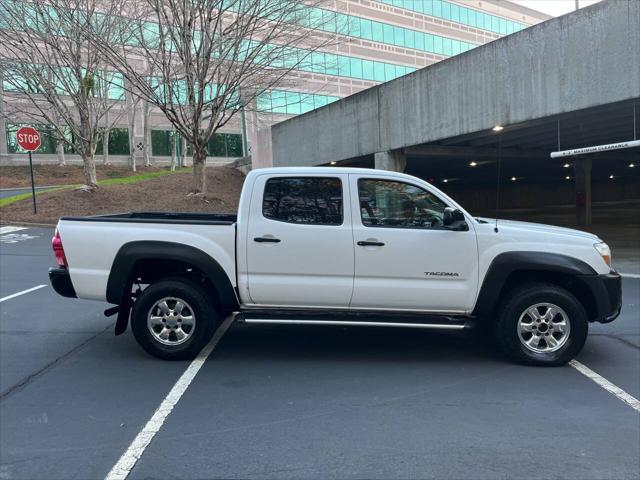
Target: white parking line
{"x":10,"y":229}
{"x":630,"y":275}
{"x":607,"y":385}
{"x":9,"y":297}
{"x":129,"y":458}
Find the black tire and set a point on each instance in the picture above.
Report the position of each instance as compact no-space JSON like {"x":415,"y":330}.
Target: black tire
{"x":517,"y":302}
{"x":206,"y":319}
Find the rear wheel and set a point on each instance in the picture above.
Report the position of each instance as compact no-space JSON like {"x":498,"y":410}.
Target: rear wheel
{"x":173,"y":319}
{"x":541,"y":324}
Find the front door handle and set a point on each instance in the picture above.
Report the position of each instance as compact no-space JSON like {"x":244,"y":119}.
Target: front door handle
{"x":266,"y":240}
{"x":368,"y":243}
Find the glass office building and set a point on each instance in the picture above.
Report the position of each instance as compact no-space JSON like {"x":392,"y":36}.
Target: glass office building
{"x":378,"y":41}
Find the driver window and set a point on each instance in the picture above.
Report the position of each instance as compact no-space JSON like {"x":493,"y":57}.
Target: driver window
{"x":385,"y":203}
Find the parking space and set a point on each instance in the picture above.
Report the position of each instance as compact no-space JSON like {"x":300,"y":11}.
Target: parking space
{"x":338,"y":403}
{"x":301,"y":402}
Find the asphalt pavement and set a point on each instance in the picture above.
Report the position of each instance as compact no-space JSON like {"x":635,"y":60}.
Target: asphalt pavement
{"x":10,"y":192}
{"x":300,"y":402}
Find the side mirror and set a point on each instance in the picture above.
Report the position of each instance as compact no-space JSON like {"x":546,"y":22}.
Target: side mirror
{"x":453,"y":219}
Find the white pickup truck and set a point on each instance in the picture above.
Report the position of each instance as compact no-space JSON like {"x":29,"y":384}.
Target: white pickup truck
{"x":340,"y":246}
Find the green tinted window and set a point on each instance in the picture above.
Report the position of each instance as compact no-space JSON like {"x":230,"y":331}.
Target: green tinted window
{"x":446,"y":10}
{"x":161,"y":143}
{"x":367,"y":70}
{"x":387,"y":33}
{"x":296,"y":102}
{"x":118,"y":142}
{"x":456,"y":13}
{"x":331,"y":64}
{"x":367,"y":29}
{"x":446,"y":46}
{"x":410,"y":39}
{"x":429,"y":42}
{"x":398,"y":36}
{"x":306,"y":103}
{"x":356,"y":68}
{"x":217,"y":146}
{"x":378,"y":31}
{"x":378,"y":71}
{"x":293,"y":103}
{"x":464,"y":15}
{"x":234,"y":144}
{"x":344,"y":66}
{"x":437,"y":44}
{"x":437,"y":8}
{"x":389,"y":72}
{"x":278,"y":102}
{"x":354,"y":26}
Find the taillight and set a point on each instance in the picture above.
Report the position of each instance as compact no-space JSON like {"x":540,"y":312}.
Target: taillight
{"x":58,"y":251}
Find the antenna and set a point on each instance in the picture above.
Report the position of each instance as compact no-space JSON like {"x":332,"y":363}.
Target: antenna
{"x":495,"y":229}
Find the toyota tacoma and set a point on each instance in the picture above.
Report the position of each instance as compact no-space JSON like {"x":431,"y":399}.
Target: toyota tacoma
{"x":340,"y":246}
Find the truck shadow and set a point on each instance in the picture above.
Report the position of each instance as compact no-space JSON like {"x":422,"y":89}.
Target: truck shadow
{"x":354,"y":344}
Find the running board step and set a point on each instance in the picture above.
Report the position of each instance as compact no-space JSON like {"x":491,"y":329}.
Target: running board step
{"x":434,"y":322}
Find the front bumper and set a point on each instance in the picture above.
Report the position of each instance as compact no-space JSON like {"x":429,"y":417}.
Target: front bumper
{"x":607,"y":294}
{"x":61,"y":282}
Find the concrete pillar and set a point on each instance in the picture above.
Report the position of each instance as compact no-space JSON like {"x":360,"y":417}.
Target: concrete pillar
{"x":393,"y":160}
{"x":582,"y":169}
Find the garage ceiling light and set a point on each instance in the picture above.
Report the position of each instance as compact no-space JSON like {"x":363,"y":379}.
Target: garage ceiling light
{"x":472,"y":164}
{"x":566,"y":165}
{"x":497,"y":128}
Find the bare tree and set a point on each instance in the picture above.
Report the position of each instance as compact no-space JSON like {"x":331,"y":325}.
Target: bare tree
{"x":146,"y":133}
{"x":211,"y":58}
{"x":56,"y":73}
{"x":60,"y":151}
{"x":133,"y":109}
{"x":183,"y":150}
{"x":174,"y":150}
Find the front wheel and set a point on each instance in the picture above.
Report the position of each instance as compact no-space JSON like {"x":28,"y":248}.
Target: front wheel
{"x":541,"y":324}
{"x":173,"y":319}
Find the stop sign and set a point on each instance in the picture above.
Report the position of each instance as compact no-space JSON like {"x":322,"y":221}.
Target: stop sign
{"x":28,"y":138}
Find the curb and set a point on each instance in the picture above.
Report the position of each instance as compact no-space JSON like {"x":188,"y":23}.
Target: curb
{"x":27,"y":224}
{"x":29,"y":187}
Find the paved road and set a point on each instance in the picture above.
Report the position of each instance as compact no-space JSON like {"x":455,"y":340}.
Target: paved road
{"x":4,"y":193}
{"x":301,"y":402}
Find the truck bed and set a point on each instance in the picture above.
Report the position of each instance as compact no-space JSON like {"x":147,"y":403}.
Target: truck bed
{"x":92,"y":243}
{"x":198,"y":218}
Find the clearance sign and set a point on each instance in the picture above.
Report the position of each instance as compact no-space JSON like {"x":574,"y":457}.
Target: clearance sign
{"x":595,"y":149}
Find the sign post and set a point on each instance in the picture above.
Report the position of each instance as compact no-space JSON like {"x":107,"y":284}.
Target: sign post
{"x":29,"y":139}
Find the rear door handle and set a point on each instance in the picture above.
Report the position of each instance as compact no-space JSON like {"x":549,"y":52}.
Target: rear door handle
{"x":266,"y":240}
{"x":367,"y":243}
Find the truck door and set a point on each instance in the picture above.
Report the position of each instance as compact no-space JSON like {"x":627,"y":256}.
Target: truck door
{"x":300,"y":249}
{"x":405,"y":258}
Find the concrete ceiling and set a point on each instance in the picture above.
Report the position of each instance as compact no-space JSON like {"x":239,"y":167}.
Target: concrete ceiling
{"x":525,"y":148}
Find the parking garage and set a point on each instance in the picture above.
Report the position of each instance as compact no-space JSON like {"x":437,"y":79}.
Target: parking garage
{"x":489,"y":120}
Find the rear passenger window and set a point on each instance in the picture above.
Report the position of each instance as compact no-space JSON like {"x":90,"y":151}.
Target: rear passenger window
{"x":304,"y":200}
